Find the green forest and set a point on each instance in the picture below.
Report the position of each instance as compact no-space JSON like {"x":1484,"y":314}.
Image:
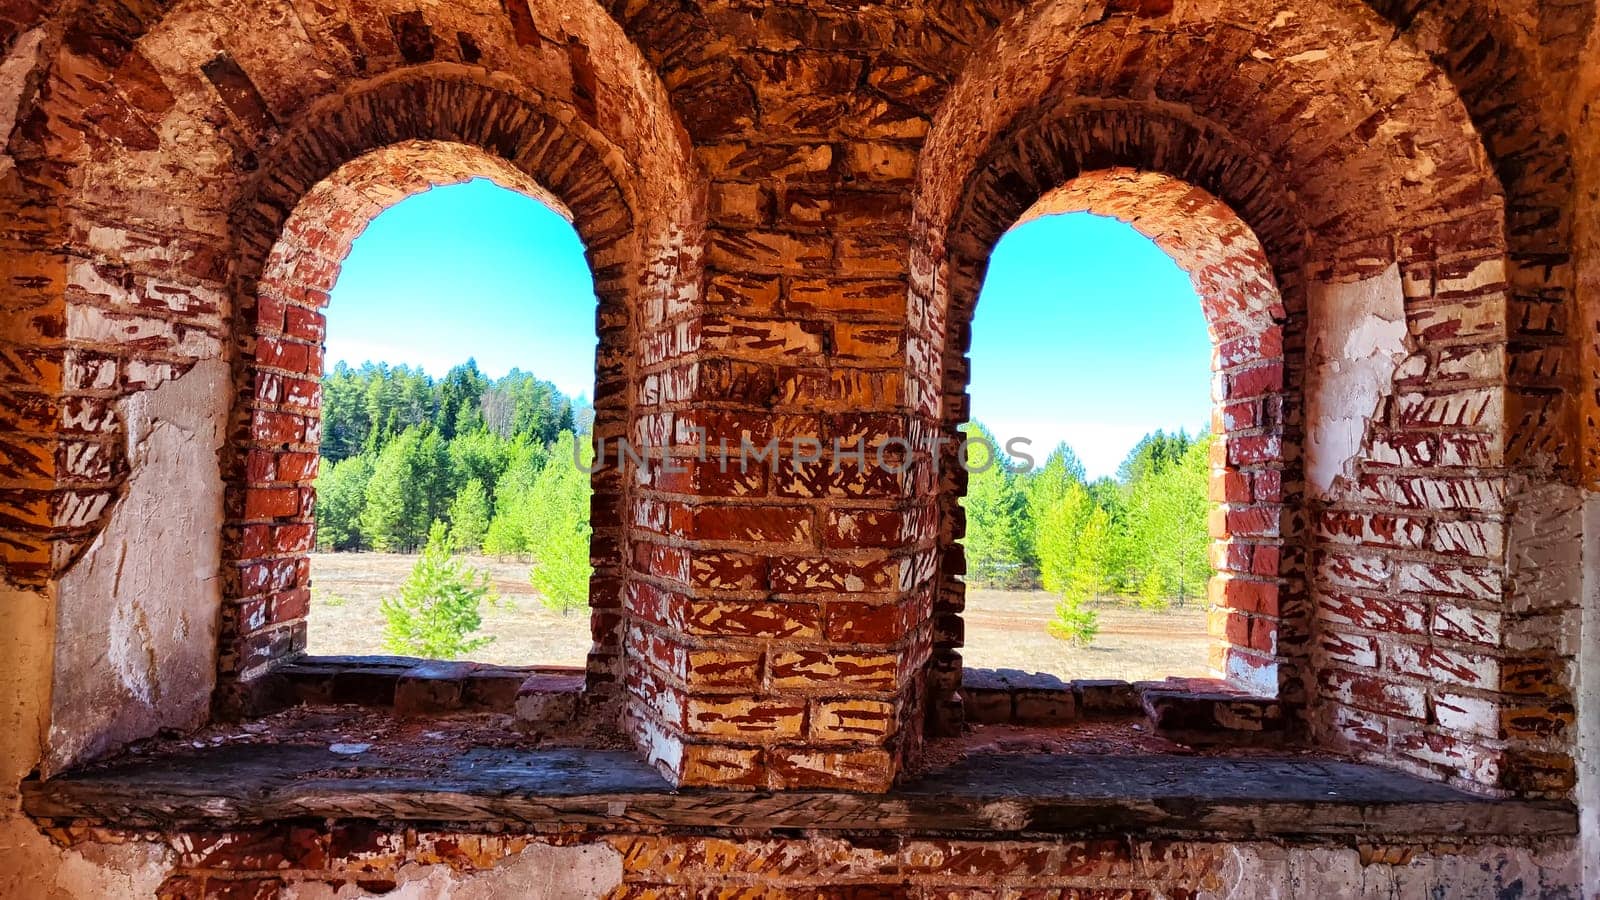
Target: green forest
{"x":469,"y":464}
{"x":403,"y":452}
{"x":1141,"y":534}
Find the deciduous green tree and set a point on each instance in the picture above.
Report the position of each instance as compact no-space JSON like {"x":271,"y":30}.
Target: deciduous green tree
{"x":1090,"y":574}
{"x":996,"y":539}
{"x":1058,"y":536}
{"x":510,"y":531}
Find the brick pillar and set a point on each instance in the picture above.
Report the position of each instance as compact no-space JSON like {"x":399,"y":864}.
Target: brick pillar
{"x":774,"y":638}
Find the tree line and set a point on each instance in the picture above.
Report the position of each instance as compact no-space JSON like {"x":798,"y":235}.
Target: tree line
{"x":478,"y":464}
{"x":1142,"y":533}
{"x":465,"y":463}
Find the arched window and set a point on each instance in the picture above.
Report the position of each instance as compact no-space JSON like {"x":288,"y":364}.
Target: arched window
{"x":466,"y":257}
{"x":1241,"y":456}
{"x":1087,"y":547}
{"x":451,"y":519}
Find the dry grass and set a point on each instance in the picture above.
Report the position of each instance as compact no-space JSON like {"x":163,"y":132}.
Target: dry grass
{"x":1005,"y":629}
{"x":524,"y":631}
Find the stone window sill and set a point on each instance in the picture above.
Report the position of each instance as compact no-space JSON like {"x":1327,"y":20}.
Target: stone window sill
{"x":1191,"y":711}
{"x":436,"y":779}
{"x":536,"y":695}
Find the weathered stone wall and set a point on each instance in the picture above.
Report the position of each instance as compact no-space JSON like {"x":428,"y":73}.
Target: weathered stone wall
{"x":788,"y":209}
{"x":367,"y":861}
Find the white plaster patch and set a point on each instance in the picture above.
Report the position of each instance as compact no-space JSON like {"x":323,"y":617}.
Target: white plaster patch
{"x":38,"y":869}
{"x":31,"y":865}
{"x":1588,"y":694}
{"x":1544,"y":547}
{"x":1268,"y":872}
{"x":541,"y":872}
{"x":137,"y":616}
{"x":1257,"y":678}
{"x":1358,"y":342}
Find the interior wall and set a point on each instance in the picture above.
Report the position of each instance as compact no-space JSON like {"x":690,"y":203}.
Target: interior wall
{"x":1588,"y":694}
{"x":794,"y":187}
{"x":137,"y":616}
{"x":34,"y":866}
{"x":1357,"y":340}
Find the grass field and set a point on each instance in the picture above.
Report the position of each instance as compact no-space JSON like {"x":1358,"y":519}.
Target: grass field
{"x":1005,"y":629}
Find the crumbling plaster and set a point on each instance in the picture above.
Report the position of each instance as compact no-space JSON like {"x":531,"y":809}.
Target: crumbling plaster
{"x":540,"y":872}
{"x":1588,"y":694}
{"x":15,"y":71}
{"x":1356,"y":383}
{"x":137,"y":616}
{"x":1357,"y":344}
{"x":1267,"y":872}
{"x":34,"y":867}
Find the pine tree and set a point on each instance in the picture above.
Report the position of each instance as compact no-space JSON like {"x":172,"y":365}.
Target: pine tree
{"x":438,"y":606}
{"x":1181,"y":510}
{"x":1153,"y":593}
{"x":459,"y":395}
{"x":559,"y":530}
{"x":393,"y":518}
{"x":435,"y":477}
{"x":341,"y":496}
{"x":996,"y":539}
{"x":481,"y":455}
{"x":510,"y":530}
{"x":1057,"y":536}
{"x":1088,"y":578}
{"x":1074,"y":622}
{"x":469,"y":516}
{"x":1044,"y":489}
{"x":344,"y":414}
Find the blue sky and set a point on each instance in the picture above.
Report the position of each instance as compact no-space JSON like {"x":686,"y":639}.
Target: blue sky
{"x":1085,"y":332}
{"x":468,"y":270}
{"x":1089,"y":333}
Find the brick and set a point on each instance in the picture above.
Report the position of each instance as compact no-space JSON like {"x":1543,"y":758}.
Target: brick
{"x":749,"y":719}
{"x":545,"y":699}
{"x":773,"y":525}
{"x":804,"y":768}
{"x":1109,"y":698}
{"x":762,"y":274}
{"x":851,"y":720}
{"x":432,"y":688}
{"x":818,"y":669}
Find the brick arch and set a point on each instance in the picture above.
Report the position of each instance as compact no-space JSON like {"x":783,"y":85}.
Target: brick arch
{"x":1389,"y":96}
{"x":322,"y":186}
{"x":1495,"y":63}
{"x":130,"y":104}
{"x":1245,"y":315}
{"x":1362,"y":180}
{"x":143,"y":141}
{"x":1233,"y":227}
{"x":880,"y":62}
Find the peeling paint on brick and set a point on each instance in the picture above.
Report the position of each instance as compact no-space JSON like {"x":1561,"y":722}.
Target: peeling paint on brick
{"x":788,"y":208}
{"x":16,"y":68}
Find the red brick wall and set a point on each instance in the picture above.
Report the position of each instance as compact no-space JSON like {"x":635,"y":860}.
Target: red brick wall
{"x":267,"y":863}
{"x":788,"y":210}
